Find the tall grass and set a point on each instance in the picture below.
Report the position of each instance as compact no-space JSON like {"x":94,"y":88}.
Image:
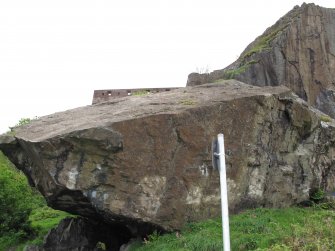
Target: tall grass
{"x":259,"y":229}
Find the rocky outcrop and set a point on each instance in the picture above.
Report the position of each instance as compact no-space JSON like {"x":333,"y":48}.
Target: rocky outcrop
{"x":79,"y":234}
{"x":298,"y":51}
{"x":144,"y":163}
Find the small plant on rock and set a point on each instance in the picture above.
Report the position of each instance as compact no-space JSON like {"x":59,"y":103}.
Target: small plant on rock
{"x":319,"y":200}
{"x":187,"y":102}
{"x":141,"y":93}
{"x":318,"y":195}
{"x":325,"y":118}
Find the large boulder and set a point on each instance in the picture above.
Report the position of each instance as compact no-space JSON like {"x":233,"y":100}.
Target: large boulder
{"x":144,"y":163}
{"x":297,"y":51}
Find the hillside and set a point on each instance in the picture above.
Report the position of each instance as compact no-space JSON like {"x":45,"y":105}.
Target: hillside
{"x":24,"y":216}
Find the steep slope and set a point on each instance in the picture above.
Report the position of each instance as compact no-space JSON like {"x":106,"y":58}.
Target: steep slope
{"x":298,"y":51}
{"x":144,"y":163}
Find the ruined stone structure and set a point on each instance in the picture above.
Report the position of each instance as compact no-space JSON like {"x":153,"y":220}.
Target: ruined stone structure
{"x":100,"y":96}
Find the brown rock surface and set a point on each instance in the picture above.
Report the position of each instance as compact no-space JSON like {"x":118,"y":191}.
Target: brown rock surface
{"x":298,"y":51}
{"x":144,"y":163}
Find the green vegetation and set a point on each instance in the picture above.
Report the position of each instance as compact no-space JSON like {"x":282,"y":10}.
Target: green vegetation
{"x":325,"y":118}
{"x":219,"y":80}
{"x":16,"y":202}
{"x":43,"y":219}
{"x":258,"y":229}
{"x":319,"y":200}
{"x":140,"y":93}
{"x":318,"y":196}
{"x":263,"y":42}
{"x":22,"y":121}
{"x":187,"y":102}
{"x":230,"y":74}
{"x":24,"y":216}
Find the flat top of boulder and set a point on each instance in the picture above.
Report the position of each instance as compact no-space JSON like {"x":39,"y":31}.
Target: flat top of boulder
{"x":105,"y":114}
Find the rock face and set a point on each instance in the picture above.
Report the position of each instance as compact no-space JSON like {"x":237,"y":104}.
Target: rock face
{"x":79,"y":234}
{"x":298,"y":51}
{"x":144,"y":163}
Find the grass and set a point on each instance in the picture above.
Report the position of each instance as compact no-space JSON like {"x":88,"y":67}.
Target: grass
{"x":325,"y":118}
{"x":230,"y":74}
{"x":263,"y":42}
{"x":41,"y":217}
{"x":140,"y":93}
{"x":42,"y":220}
{"x":258,"y":229}
{"x":187,"y":102}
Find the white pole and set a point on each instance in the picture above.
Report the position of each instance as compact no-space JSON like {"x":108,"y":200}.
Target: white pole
{"x":224,"y":194}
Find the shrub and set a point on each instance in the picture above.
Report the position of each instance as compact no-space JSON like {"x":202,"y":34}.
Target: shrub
{"x":23,"y":121}
{"x":15,"y":202}
{"x":318,"y":195}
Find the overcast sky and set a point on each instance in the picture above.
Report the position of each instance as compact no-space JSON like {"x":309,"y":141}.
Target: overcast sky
{"x":53,"y":54}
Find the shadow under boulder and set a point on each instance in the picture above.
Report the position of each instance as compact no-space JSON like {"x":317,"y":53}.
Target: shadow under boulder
{"x":80,"y":234}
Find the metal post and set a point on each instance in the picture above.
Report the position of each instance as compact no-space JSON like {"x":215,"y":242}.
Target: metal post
{"x":224,"y":194}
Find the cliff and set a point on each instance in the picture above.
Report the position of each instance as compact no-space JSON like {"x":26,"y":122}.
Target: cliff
{"x":297,"y":51}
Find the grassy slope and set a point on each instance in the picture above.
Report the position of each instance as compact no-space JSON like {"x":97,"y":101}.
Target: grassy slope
{"x":42,"y":218}
{"x":259,"y":229}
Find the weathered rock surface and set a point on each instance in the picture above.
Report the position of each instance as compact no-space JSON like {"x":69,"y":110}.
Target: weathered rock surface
{"x":144,"y":163}
{"x":298,"y":51}
{"x":79,"y":234}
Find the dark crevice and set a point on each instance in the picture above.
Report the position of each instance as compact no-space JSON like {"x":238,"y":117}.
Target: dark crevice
{"x":122,"y":228}
{"x":85,"y":234}
{"x":302,"y":93}
{"x":312,"y":61}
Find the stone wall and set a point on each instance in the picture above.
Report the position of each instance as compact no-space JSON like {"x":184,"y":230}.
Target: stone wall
{"x":100,"y":96}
